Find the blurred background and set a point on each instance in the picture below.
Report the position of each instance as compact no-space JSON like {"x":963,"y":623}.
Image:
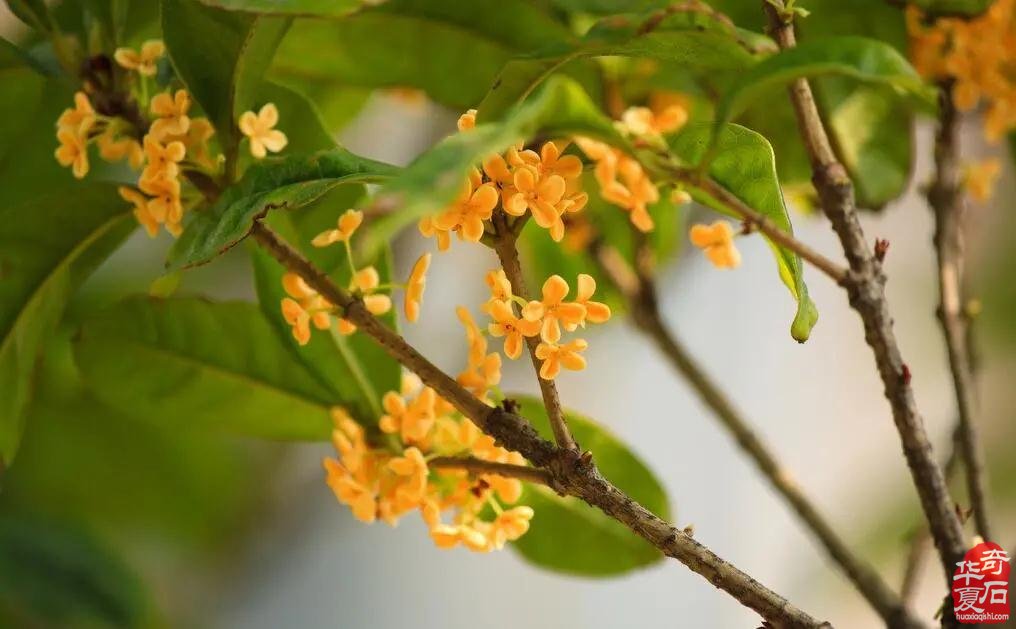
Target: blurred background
{"x":226,"y":532}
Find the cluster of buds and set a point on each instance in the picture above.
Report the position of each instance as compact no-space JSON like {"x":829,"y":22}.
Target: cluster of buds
{"x":387,"y":482}
{"x":164,"y":144}
{"x":978,"y":54}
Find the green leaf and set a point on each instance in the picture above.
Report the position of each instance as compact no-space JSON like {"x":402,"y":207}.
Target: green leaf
{"x":565,"y":529}
{"x":132,"y":477}
{"x":213,"y":365}
{"x":744,"y":164}
{"x":427,"y":185}
{"x":48,"y":246}
{"x":418,"y":43}
{"x":271,"y":184}
{"x":697,"y":40}
{"x":222,"y":57}
{"x":858,"y":58}
{"x":872,"y":133}
{"x":353,"y":368}
{"x":31,"y":12}
{"x":58,"y":575}
{"x":306,"y":8}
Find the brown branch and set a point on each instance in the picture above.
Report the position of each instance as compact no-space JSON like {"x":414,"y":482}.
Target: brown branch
{"x":508,"y":254}
{"x":573,"y":474}
{"x":479,"y":466}
{"x":920,"y":543}
{"x":639,"y":294}
{"x":866,"y":291}
{"x":946,"y":199}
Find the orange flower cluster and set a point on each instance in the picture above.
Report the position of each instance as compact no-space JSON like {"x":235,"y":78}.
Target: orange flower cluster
{"x":546,"y":184}
{"x":173,"y":143}
{"x":979,"y":54}
{"x":544,"y":317}
{"x":388,"y":482}
{"x":304,"y":306}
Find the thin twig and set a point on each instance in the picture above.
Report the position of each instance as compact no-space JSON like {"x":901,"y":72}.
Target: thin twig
{"x":574,"y":474}
{"x":838,"y":273}
{"x":507,"y":252}
{"x":946,"y":199}
{"x":479,"y":466}
{"x":866,"y":291}
{"x":639,"y":293}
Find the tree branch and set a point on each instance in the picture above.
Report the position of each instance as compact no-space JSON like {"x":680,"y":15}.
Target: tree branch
{"x":574,"y":474}
{"x":507,"y":253}
{"x":946,"y":199}
{"x":639,"y":294}
{"x":479,"y":466}
{"x":866,"y":291}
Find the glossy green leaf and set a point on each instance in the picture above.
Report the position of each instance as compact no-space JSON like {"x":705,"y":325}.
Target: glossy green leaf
{"x":271,"y":184}
{"x":56,"y":575}
{"x":565,"y":531}
{"x":744,"y":165}
{"x":48,"y":247}
{"x":219,"y":366}
{"x":858,"y":58}
{"x":187,"y":489}
{"x":352,"y":368}
{"x":427,"y":185}
{"x":306,"y":8}
{"x":696,"y":40}
{"x":418,"y":43}
{"x":222,"y":57}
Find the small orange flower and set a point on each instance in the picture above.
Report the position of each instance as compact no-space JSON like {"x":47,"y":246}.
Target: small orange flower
{"x":141,"y":211}
{"x":514,"y":329}
{"x":544,"y":198}
{"x":556,"y":356}
{"x":553,"y":310}
{"x":145,"y":60}
{"x":73,"y":151}
{"x":643,"y":121}
{"x":114,"y":148}
{"x":466,"y":214}
{"x":510,"y":525}
{"x":412,"y":420}
{"x":163,"y":160}
{"x":622,"y":181}
{"x":303,"y":307}
{"x":500,"y":288}
{"x":428,"y":228}
{"x":596,"y":312}
{"x":365,"y":282}
{"x":415,"y":286}
{"x":467,"y":120}
{"x":260,"y":130}
{"x":717,"y":241}
{"x":347,"y":225}
{"x":164,"y":206}
{"x":82,"y":116}
{"x":979,"y":179}
{"x":172,"y":114}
